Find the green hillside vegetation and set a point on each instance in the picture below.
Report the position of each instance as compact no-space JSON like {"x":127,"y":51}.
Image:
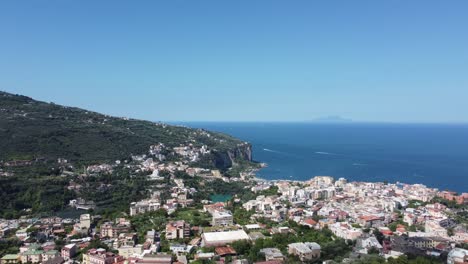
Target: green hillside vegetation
{"x":34,"y":135}
{"x":31,"y":129}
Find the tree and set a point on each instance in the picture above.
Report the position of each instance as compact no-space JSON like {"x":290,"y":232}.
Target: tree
{"x":242,"y":216}
{"x":241,"y":246}
{"x":373,"y":251}
{"x":380,"y":237}
{"x":450,"y":232}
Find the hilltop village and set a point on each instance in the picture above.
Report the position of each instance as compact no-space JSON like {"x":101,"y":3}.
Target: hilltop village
{"x":191,"y":214}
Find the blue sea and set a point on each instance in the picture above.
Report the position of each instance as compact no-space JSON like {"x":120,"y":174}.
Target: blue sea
{"x":434,"y":155}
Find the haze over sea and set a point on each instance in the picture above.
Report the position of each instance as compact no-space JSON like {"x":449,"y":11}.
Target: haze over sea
{"x":432,"y":154}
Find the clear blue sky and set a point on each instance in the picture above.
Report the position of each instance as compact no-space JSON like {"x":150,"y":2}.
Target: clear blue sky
{"x":397,"y":61}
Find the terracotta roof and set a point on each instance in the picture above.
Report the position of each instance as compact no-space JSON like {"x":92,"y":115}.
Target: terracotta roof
{"x":310,"y":221}
{"x":84,"y":245}
{"x":386,"y":232}
{"x":223,"y":251}
{"x":369,"y":217}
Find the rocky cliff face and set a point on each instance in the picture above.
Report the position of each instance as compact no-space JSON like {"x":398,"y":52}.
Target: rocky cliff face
{"x":226,"y":159}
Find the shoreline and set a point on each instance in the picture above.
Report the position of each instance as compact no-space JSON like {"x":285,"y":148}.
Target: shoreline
{"x":257,"y":179}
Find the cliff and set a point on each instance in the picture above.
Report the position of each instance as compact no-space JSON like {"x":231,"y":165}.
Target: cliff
{"x":227,"y":159}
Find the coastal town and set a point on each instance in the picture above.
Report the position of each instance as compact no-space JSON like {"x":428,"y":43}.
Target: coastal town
{"x":233,"y":132}
{"x":322,"y":220}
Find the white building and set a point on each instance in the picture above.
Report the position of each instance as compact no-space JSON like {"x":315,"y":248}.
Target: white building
{"x":305,"y":251}
{"x":210,"y":239}
{"x":457,"y":255}
{"x":222,"y":218}
{"x":180,"y":248}
{"x":130,"y":251}
{"x":85,"y":221}
{"x":345,"y":231}
{"x":146,"y":205}
{"x":272,"y":254}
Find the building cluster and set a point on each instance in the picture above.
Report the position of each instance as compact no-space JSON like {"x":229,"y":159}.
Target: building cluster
{"x":453,"y":196}
{"x":146,"y":205}
{"x":190,"y":152}
{"x":356,"y":210}
{"x":390,"y":219}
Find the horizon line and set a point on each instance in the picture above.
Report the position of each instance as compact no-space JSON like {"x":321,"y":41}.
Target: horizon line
{"x":318,"y":122}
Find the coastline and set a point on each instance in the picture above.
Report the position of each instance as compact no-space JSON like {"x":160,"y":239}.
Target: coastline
{"x":257,"y":179}
{"x":370,"y":152}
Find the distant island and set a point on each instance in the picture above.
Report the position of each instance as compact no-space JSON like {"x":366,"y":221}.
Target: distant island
{"x":332,"y":119}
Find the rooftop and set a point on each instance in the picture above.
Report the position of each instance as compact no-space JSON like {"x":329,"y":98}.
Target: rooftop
{"x":10,"y":257}
{"x":222,"y":251}
{"x":226,"y":235}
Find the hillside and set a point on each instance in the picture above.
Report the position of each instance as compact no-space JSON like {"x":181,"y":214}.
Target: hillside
{"x":31,"y":129}
{"x":51,"y":154}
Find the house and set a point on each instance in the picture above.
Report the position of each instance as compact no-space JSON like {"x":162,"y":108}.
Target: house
{"x":305,"y":251}
{"x":125,"y":239}
{"x":128,"y":251}
{"x":457,"y":256}
{"x":256,"y":235}
{"x":309,"y":222}
{"x":177,"y":229}
{"x":366,"y":243}
{"x":180,"y":248}
{"x":152,"y":236}
{"x":85,"y":221}
{"x":22,"y":234}
{"x":225,"y":251}
{"x":50,"y":254}
{"x":386,"y":231}
{"x":345,"y":230}
{"x":210,"y":208}
{"x":222,"y":218}
{"x":107,"y":230}
{"x":401,"y":229}
{"x":371,"y":221}
{"x":272,"y":254}
{"x":47,"y":246}
{"x":280,"y":230}
{"x":10,"y":259}
{"x":426,"y":242}
{"x":30,"y":247}
{"x":56,"y":260}
{"x":146,"y":205}
{"x":31,"y":255}
{"x":101,"y":256}
{"x":112,"y":231}
{"x":69,"y":251}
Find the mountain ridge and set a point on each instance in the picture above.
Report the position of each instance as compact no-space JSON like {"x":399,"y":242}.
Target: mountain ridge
{"x":31,"y":129}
